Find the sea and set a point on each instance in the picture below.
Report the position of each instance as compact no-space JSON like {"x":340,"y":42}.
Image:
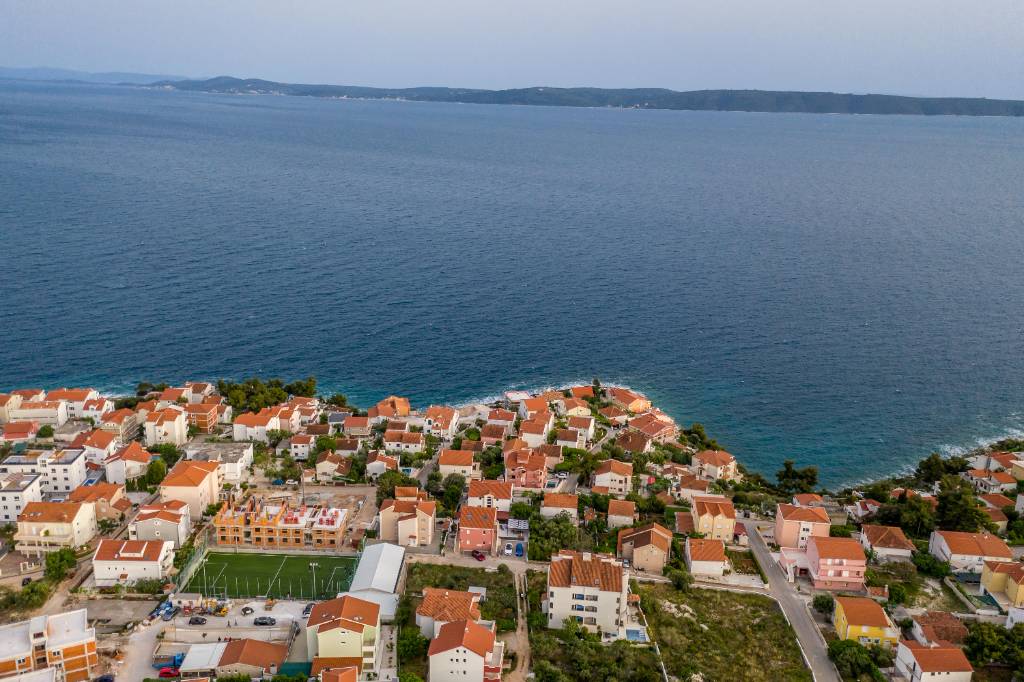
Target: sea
{"x":842,"y":291}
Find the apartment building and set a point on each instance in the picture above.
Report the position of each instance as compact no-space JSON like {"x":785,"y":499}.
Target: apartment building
{"x":197,"y":484}
{"x":590,"y":588}
{"x":614,"y":478}
{"x":16,"y":491}
{"x":63,"y":642}
{"x":62,"y":470}
{"x":169,"y":425}
{"x":409,"y":523}
{"x":125,"y":562}
{"x":162,"y":521}
{"x":465,"y":650}
{"x":255,"y":523}
{"x":487,"y":493}
{"x":110,"y":500}
{"x":795,"y":525}
{"x":127,"y":464}
{"x":346,"y":627}
{"x":49,"y":526}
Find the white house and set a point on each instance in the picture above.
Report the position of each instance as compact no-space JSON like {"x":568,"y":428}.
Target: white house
{"x":888,"y":543}
{"x":97,"y":445}
{"x":127,"y":464}
{"x":52,"y":412}
{"x":300,"y":446}
{"x":967,"y":552}
{"x":124,"y":562}
{"x":169,"y":425}
{"x":404,"y":441}
{"x":16,"y":491}
{"x":560,"y":503}
{"x":377,"y":464}
{"x":465,"y":650}
{"x":49,"y":526}
{"x":197,"y":484}
{"x":254,"y":426}
{"x":233,"y":459}
{"x":921,"y":663}
{"x":440,"y":606}
{"x":458,"y":462}
{"x":62,"y":470}
{"x":162,"y":521}
{"x":705,"y":557}
{"x":486,"y":493}
{"x":590,"y":588}
{"x":441,"y":421}
{"x":76,"y":398}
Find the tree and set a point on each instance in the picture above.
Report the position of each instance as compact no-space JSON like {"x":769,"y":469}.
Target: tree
{"x":388,"y":481}
{"x":45,"y":431}
{"x":323,"y":443}
{"x":302,"y":387}
{"x":59,"y":563}
{"x":792,"y":480}
{"x":338,"y":400}
{"x":156,"y":471}
{"x":824,"y":603}
{"x":930,"y":469}
{"x":930,"y":566}
{"x":985,"y":643}
{"x":917,"y":517}
{"x":852,"y":660}
{"x":681,"y":578}
{"x":411,"y":644}
{"x":520,"y":510}
{"x":452,"y":491}
{"x":406,"y":676}
{"x":958,"y":508}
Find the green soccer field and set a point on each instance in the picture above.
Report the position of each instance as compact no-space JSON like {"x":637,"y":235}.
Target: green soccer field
{"x":238,"y":576}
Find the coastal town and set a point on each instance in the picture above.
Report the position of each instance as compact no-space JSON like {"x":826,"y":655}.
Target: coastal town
{"x":261,"y":531}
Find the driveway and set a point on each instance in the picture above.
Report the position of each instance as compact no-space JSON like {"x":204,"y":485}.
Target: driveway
{"x":795,"y":609}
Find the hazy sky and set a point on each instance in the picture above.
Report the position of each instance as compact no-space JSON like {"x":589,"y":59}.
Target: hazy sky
{"x":921,"y":47}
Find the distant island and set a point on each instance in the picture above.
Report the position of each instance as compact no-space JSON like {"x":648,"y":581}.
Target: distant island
{"x":768,"y":101}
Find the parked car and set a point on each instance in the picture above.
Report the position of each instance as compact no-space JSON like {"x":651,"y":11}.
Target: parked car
{"x":197,"y":620}
{"x":104,"y":678}
{"x":309,"y":609}
{"x":519,"y":549}
{"x":168,"y":672}
{"x":508,"y":549}
{"x":25,"y":581}
{"x":291,"y":481}
{"x":246,"y":610}
{"x":478,"y":555}
{"x":277,"y":481}
{"x":562,"y":475}
{"x":264,"y":620}
{"x":169,"y":615}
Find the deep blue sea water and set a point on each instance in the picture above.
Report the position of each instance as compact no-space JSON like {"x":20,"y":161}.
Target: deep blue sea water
{"x":847,"y":291}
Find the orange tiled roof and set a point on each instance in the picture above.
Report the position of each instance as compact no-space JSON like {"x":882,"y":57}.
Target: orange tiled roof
{"x":806,"y":514}
{"x":448,"y":605}
{"x":838,"y":548}
{"x":706,"y":550}
{"x":465,"y":634}
{"x":863,"y":611}
{"x":887,"y":537}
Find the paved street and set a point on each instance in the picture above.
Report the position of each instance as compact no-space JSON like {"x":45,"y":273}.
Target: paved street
{"x":794,"y":608}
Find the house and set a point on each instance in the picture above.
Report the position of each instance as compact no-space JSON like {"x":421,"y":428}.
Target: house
{"x":123,"y":423}
{"x":499,"y":417}
{"x":705,"y":557}
{"x":534,"y":432}
{"x":628,"y":400}
{"x":332,"y":466}
{"x":560,"y":503}
{"x":887,"y":543}
{"x":233,"y":459}
{"x":568,"y":438}
{"x":998,"y":518}
{"x":20,"y":432}
{"x":633,"y":441}
{"x":584,"y":425}
{"x":441,"y":421}
{"x":440,"y":606}
{"x":63,"y":643}
{"x":357,"y":427}
{"x":995,"y":501}
{"x":922,"y":663}
{"x":621,"y":513}
{"x":408,"y":523}
{"x":334,"y":670}
{"x":168,"y":521}
{"x":75,"y":399}
{"x":478,"y":529}
{"x":613,"y":477}
{"x":111,"y":502}
{"x":125,"y":562}
{"x":346,"y":627}
{"x":495,"y":494}
{"x":590,"y":588}
{"x":526,"y":469}
{"x":492,"y":434}
{"x":251,"y":658}
{"x":49,"y":526}
{"x":967,"y":552}
{"x":465,"y":650}
{"x":97,"y":445}
{"x":96,"y":408}
{"x":714,"y":518}
{"x":127,"y":464}
{"x":51,"y":412}
{"x":648,"y":547}
{"x":615,"y":415}
{"x":203,"y":417}
{"x":168,"y":425}
{"x":1004,"y":581}
{"x":657,"y":426}
{"x":808,"y":500}
{"x":389,"y":408}
{"x":197,"y":484}
{"x":404,"y":441}
{"x":989,"y":481}
{"x":17,"y":490}
{"x":299,"y":446}
{"x":795,"y":525}
{"x":862,"y":620}
{"x":254,"y":522}
{"x":836,"y":563}
{"x":532,"y":406}
{"x":458,"y":462}
{"x":715,"y":465}
{"x":346,"y":446}
{"x":689,"y":487}
{"x":256,"y":425}
{"x":8,"y":402}
{"x":377,"y":463}
{"x":62,"y":470}
{"x":936,"y":627}
{"x":575,"y":407}
{"x":582,"y":392}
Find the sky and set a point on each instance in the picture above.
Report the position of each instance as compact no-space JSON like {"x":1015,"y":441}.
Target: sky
{"x":914,"y":47}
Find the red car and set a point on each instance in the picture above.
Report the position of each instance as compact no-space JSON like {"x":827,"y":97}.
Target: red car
{"x":478,"y":555}
{"x":168,"y":672}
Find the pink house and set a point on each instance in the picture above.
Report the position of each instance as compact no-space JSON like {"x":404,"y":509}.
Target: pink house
{"x":795,"y":525}
{"x":478,"y":529}
{"x":836,"y":563}
{"x":526,"y":469}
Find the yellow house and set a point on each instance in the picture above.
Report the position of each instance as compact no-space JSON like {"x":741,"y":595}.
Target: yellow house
{"x":863,"y":620}
{"x":348,"y":628}
{"x":714,"y":518}
{"x":1000,"y":578}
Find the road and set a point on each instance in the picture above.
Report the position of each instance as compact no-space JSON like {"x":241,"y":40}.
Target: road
{"x":795,"y":609}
